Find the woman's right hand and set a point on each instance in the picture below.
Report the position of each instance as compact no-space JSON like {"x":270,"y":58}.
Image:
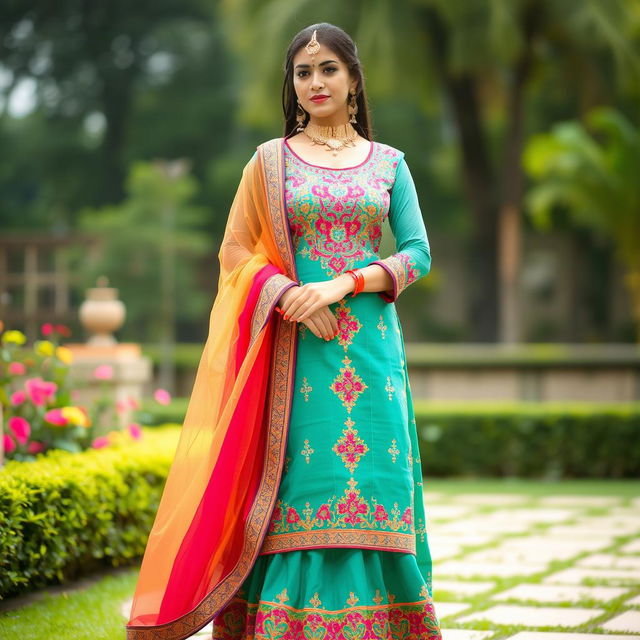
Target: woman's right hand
{"x":322,"y":322}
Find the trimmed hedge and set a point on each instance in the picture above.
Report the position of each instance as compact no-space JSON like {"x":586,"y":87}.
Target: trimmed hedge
{"x":66,"y":514}
{"x":530,"y":440}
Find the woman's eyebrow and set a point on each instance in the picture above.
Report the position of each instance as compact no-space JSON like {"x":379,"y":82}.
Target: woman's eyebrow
{"x":325,"y":62}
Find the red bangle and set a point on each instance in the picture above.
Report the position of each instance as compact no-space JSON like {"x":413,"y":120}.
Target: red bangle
{"x":358,"y":279}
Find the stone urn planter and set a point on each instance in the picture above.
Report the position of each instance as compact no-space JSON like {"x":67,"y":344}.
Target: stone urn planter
{"x":102,"y":313}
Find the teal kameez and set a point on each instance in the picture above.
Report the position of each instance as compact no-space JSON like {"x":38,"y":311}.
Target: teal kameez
{"x":346,"y":554}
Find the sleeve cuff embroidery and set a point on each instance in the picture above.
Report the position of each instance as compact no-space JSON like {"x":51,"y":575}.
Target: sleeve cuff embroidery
{"x":403,"y":272}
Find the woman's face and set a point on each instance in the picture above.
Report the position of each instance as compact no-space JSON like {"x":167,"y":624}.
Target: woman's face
{"x":325,"y":75}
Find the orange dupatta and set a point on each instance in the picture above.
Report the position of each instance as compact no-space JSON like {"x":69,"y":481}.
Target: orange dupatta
{"x":222,"y":485}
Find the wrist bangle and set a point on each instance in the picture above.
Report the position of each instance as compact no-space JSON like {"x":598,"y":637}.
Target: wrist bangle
{"x":358,"y":280}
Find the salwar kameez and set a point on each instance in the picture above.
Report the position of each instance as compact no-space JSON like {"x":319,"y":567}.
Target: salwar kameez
{"x":346,"y":554}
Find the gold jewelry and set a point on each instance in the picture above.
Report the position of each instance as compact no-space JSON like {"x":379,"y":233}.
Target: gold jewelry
{"x":313,"y":46}
{"x":353,"y":107}
{"x":300,"y":117}
{"x":334,"y":138}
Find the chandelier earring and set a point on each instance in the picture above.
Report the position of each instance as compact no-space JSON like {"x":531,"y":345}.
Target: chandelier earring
{"x":300,"y":117}
{"x":353,"y":107}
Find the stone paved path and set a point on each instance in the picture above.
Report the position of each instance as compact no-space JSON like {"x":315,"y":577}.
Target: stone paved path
{"x":508,"y":566}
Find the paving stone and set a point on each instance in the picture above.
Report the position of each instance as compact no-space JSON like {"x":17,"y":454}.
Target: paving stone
{"x":463,"y":588}
{"x":555,"y":594}
{"x":532,"y":514}
{"x":485,"y":525}
{"x":631,"y":547}
{"x":465,"y":569}
{"x":634,"y":601}
{"x":610,"y":561}
{"x":580,"y":501}
{"x":521,"y":554}
{"x":567,"y":635}
{"x":448,"y":511}
{"x":460,"y":538}
{"x":627,"y":621}
{"x":584,"y":531}
{"x":440,"y":552}
{"x":470,"y":634}
{"x":536,"y":542}
{"x":534,"y":616}
{"x":575,"y":575}
{"x":444,"y":609}
{"x":624,"y":526}
{"x":488,"y":499}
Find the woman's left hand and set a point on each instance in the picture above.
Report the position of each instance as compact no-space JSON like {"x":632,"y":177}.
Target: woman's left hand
{"x":307,"y":298}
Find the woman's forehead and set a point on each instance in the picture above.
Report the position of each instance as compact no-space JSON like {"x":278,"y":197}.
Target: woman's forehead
{"x":324,"y":54}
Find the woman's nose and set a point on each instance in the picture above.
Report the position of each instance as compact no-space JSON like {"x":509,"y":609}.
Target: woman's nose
{"x":316,"y":81}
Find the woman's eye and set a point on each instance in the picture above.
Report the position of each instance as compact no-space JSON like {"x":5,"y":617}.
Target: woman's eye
{"x":300,"y":73}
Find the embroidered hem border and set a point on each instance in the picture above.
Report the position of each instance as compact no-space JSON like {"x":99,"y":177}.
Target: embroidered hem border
{"x":383,"y":540}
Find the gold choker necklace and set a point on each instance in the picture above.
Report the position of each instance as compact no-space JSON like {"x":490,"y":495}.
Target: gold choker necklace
{"x":334,"y":138}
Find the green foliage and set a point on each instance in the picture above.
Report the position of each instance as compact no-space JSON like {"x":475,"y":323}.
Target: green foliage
{"x":66,"y":514}
{"x":156,"y":223}
{"x":530,"y":441}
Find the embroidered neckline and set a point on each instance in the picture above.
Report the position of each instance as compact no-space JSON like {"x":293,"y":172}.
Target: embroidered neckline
{"x":288,"y":148}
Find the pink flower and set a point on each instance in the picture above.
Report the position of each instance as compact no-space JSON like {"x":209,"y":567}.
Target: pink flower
{"x":75,"y":394}
{"x":40,"y":391}
{"x":103,"y":372}
{"x":20,"y":427}
{"x":54,"y":416}
{"x":133,"y":403}
{"x":121,"y":406}
{"x":63,"y":330}
{"x":406,"y":516}
{"x":380,"y":513}
{"x":9,"y":444}
{"x":323,"y":512}
{"x":292,"y":515}
{"x":46,"y":329}
{"x":17,"y":368}
{"x":162,"y":396}
{"x":135,"y":431}
{"x":35,"y":447}
{"x":18,"y":397}
{"x":100,"y":442}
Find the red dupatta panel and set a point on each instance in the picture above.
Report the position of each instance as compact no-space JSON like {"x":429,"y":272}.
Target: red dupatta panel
{"x":223,"y":482}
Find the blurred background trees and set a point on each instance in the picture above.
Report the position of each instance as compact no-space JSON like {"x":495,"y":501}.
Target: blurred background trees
{"x":88,"y":91}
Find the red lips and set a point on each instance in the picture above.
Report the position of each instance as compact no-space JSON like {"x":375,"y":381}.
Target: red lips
{"x":319,"y":98}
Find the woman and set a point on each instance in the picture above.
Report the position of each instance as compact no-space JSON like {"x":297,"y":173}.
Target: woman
{"x":293,"y":508}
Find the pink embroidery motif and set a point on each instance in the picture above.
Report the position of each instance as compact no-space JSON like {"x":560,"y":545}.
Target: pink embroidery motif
{"x":350,"y":446}
{"x":347,"y":385}
{"x":413,"y":273}
{"x":348,"y":324}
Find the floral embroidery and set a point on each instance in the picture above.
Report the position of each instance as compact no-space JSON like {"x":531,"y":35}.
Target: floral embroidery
{"x":389,"y":388}
{"x":348,"y":325}
{"x":326,"y":211}
{"x":421,"y":530}
{"x":347,"y":385}
{"x":287,"y":460}
{"x":316,"y":602}
{"x":403,"y":268}
{"x":378,"y":597}
{"x":352,"y":599}
{"x":393,"y":450}
{"x":307,"y":450}
{"x":382,"y":327}
{"x":390,"y":597}
{"x":282,"y":597}
{"x":306,"y":388}
{"x":349,"y":510}
{"x":350,"y":447}
{"x":424,"y":592}
{"x":302,"y":328}
{"x":268,"y":620}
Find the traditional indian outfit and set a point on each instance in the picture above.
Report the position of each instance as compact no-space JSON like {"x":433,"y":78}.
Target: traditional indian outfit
{"x":294,"y":505}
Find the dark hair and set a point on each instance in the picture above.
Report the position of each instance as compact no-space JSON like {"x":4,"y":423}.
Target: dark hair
{"x":341,"y":43}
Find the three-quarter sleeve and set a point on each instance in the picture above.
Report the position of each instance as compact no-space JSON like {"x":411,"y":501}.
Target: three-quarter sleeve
{"x":412,"y":259}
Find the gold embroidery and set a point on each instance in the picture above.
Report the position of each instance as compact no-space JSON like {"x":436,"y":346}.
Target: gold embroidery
{"x":391,"y":597}
{"x":352,"y":599}
{"x":378,"y":597}
{"x":393,"y":450}
{"x":282,"y":597}
{"x":350,"y":447}
{"x":348,"y":385}
{"x":315,"y":600}
{"x":307,"y":450}
{"x":382,"y":327}
{"x":287,"y":460}
{"x":424,"y":592}
{"x":420,"y":529}
{"x":302,"y":328}
{"x":389,"y":388}
{"x":306,"y":388}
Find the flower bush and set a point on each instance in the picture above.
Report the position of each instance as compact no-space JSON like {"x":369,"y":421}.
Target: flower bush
{"x":38,"y":402}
